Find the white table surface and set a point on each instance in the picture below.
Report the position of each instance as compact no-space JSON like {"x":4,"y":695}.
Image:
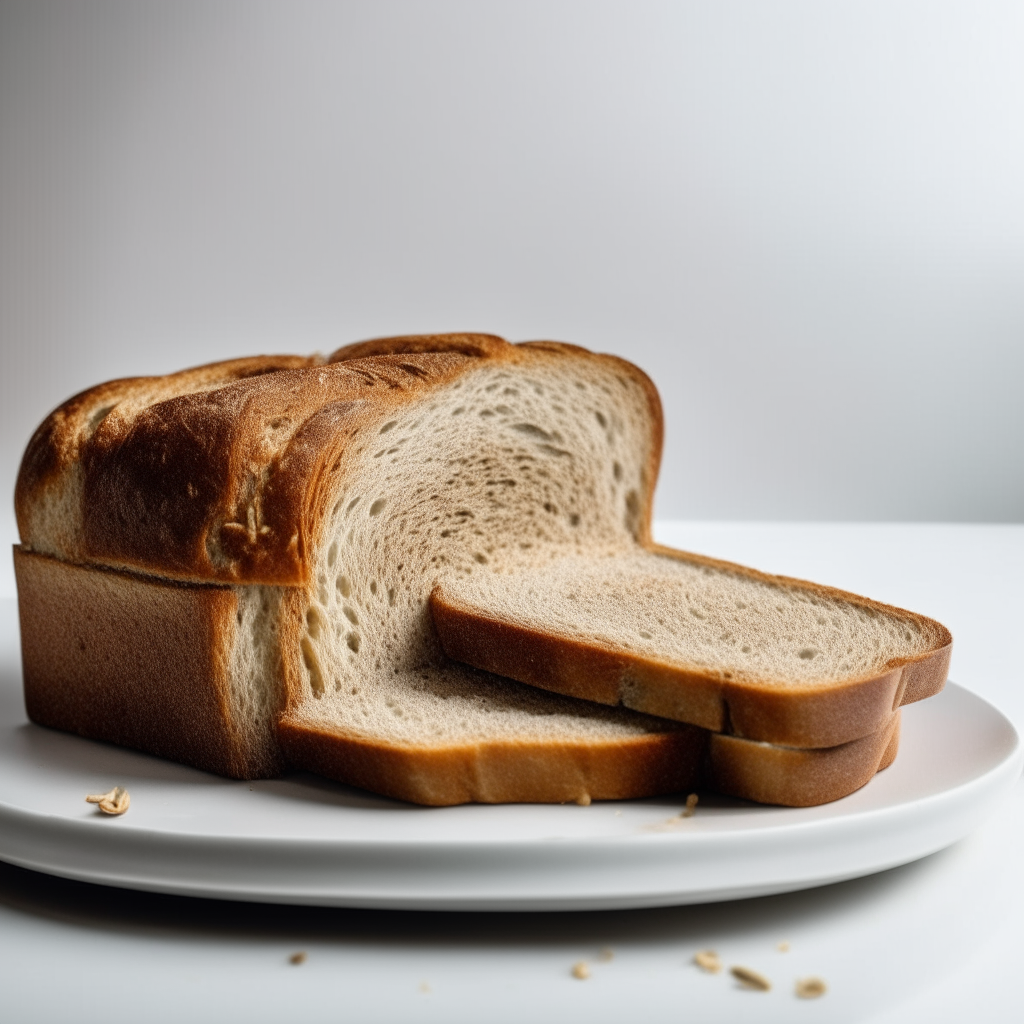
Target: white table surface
{"x":939,"y":940}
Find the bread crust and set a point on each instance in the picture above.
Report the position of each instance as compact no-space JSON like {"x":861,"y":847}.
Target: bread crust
{"x":653,"y":765}
{"x":214,"y":485}
{"x":502,"y":772}
{"x":143,"y":663}
{"x":798,"y":778}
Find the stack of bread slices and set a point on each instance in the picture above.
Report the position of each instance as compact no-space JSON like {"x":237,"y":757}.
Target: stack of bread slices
{"x":423,"y":566}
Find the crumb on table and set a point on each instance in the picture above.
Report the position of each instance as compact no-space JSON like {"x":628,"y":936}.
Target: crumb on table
{"x":707,"y":960}
{"x":750,"y":979}
{"x":810,"y":988}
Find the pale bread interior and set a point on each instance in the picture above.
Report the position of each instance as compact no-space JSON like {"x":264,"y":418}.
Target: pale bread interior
{"x":254,"y":673}
{"x":693,"y":616}
{"x":506,"y":470}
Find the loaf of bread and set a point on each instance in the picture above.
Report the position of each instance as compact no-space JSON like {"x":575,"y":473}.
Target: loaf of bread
{"x":232,"y":567}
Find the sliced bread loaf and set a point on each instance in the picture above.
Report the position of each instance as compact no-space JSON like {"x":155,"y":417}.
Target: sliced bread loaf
{"x":286,"y":521}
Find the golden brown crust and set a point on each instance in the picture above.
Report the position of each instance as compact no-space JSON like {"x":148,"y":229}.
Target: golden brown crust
{"x":476,"y":346}
{"x":139,"y":662}
{"x":501,"y":772}
{"x":532,"y":772}
{"x":799,"y":778}
{"x":62,"y":442}
{"x":220,"y":484}
{"x":652,"y":765}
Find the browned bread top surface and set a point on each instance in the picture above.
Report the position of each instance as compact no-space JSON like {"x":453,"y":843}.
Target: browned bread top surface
{"x":222,"y":472}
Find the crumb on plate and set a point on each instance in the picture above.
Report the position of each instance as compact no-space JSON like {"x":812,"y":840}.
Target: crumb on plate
{"x":117,"y":801}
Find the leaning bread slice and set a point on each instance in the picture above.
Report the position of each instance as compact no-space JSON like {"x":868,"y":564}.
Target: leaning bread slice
{"x":697,"y":640}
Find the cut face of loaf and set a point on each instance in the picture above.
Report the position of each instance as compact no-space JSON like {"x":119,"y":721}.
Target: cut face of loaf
{"x":327,"y":502}
{"x":503,"y":470}
{"x":698,"y":641}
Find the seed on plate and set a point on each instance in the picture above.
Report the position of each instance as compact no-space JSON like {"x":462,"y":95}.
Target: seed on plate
{"x":707,"y":960}
{"x":606,"y":955}
{"x":691,"y":806}
{"x":581,"y":970}
{"x":810,"y":988}
{"x":750,"y":979}
{"x":783,"y":947}
{"x":297,"y":958}
{"x":116,"y":801}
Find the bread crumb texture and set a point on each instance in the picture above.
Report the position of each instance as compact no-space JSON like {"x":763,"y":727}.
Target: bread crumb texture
{"x":750,"y":979}
{"x":115,"y":802}
{"x":810,"y":988}
{"x":505,"y":470}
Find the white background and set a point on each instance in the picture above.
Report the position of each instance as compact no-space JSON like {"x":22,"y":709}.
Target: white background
{"x":804,"y":220}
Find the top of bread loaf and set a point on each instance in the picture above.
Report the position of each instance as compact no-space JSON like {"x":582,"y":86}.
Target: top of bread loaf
{"x":223,"y":473}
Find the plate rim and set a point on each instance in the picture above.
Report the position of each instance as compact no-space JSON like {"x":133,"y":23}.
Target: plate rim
{"x":972,"y":799}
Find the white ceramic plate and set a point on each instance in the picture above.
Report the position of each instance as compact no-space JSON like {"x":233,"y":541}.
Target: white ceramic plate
{"x":302,"y":839}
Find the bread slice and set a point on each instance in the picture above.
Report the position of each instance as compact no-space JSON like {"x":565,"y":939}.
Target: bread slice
{"x":281,"y":523}
{"x":699,"y":641}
